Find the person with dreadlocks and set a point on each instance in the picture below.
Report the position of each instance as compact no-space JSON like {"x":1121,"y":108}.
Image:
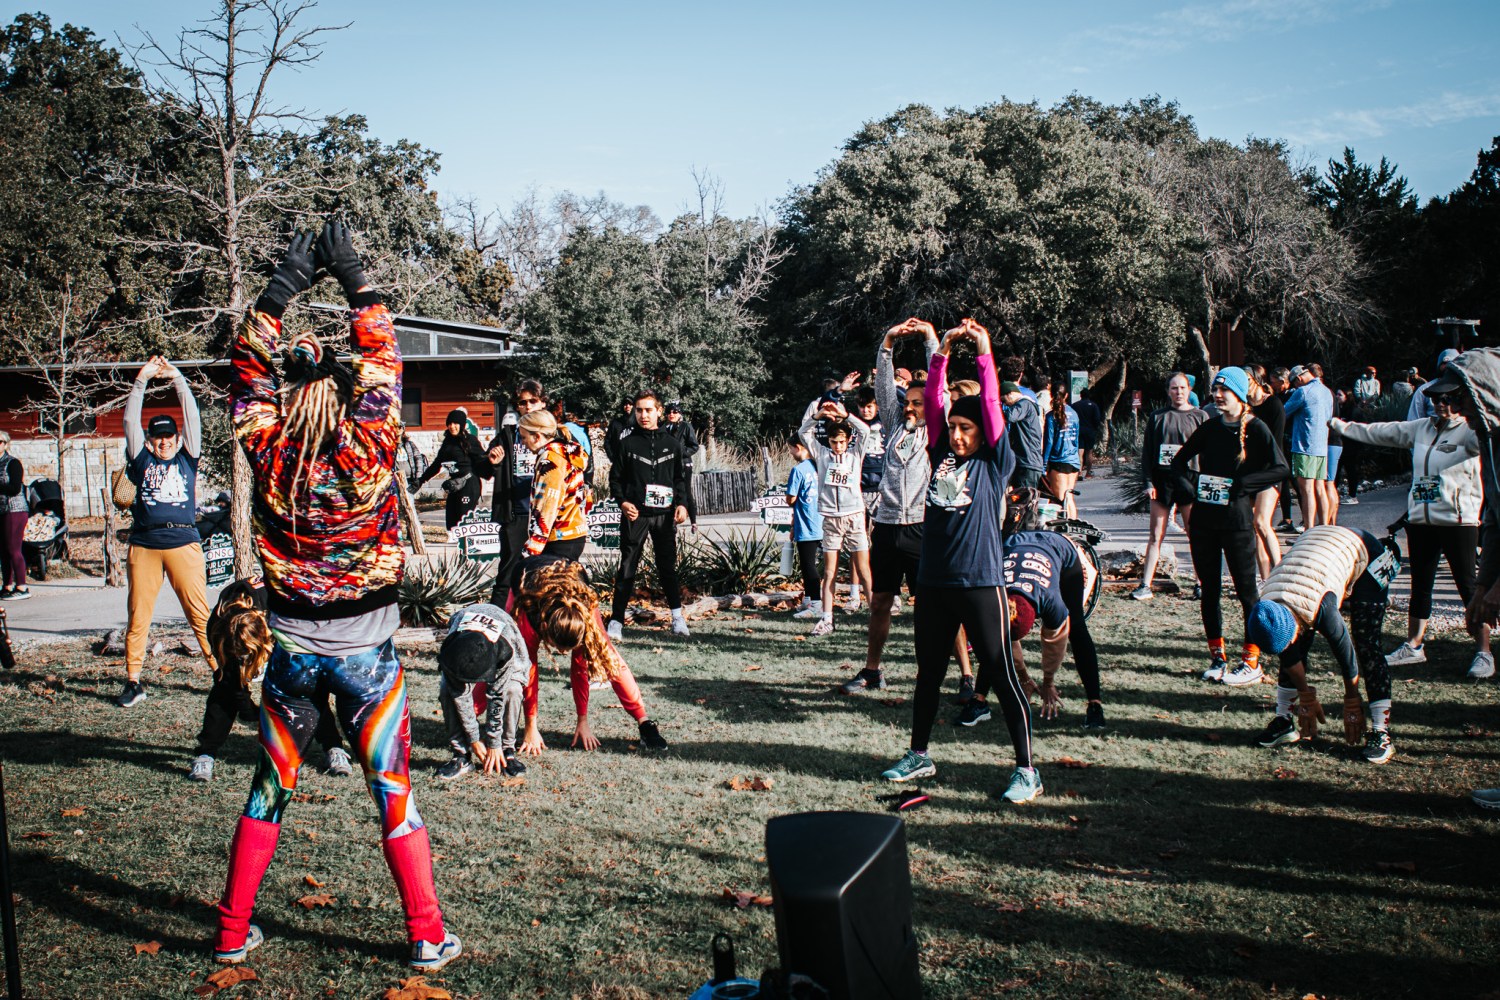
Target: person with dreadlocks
{"x":461,"y":457}
{"x":557,"y":606}
{"x":1237,"y":458}
{"x":321,"y":440}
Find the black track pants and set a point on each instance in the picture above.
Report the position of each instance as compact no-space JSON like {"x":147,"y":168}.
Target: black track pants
{"x":1211,"y":548}
{"x":662,"y":530}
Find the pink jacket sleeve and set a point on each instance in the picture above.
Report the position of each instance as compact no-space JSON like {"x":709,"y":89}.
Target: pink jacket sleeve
{"x":989,"y":398}
{"x":935,"y":398}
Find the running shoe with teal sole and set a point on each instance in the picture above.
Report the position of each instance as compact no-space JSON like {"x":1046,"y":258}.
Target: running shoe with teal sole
{"x":913,"y":765}
{"x":1025,"y":785}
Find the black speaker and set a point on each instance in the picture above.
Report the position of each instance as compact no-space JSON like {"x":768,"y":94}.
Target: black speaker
{"x":842,"y":891}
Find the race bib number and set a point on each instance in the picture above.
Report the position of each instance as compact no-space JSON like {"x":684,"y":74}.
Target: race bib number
{"x":1166,"y":453}
{"x":1214,"y":490}
{"x":1384,"y":569}
{"x":1427,"y":489}
{"x":658,"y":496}
{"x":840,"y":472}
{"x":483,"y":624}
{"x":525,"y":463}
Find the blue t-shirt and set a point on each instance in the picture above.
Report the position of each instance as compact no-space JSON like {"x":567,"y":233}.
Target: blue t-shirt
{"x":165,"y":500}
{"x":1061,"y":442}
{"x":1308,"y":410}
{"x":1034,"y":564}
{"x":961,"y":526}
{"x":807,"y":523}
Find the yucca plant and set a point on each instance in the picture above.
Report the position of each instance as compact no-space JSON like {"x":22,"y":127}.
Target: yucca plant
{"x":433,"y":589}
{"x":740,"y":563}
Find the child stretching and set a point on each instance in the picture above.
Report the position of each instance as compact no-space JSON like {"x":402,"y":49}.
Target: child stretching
{"x":483,"y":664}
{"x":241,"y":643}
{"x":839,"y":499}
{"x":556,"y":605}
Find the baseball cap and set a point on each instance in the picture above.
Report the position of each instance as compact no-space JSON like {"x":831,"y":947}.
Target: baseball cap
{"x":1297,"y":372}
{"x":1447,"y":382}
{"x":1446,"y":357}
{"x":161,"y":426}
{"x":466,"y":657}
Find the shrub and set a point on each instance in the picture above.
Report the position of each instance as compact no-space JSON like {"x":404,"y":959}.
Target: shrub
{"x":739,"y":563}
{"x":432,"y":590}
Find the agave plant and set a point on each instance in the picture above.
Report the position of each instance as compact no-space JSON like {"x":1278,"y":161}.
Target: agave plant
{"x":740,"y":563}
{"x":433,"y":589}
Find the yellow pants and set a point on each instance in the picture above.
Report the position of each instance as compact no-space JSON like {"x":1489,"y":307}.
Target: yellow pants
{"x":183,"y":567}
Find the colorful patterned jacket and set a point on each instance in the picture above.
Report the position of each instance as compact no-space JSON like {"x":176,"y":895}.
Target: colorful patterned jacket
{"x":332,"y":549}
{"x":559,"y":496}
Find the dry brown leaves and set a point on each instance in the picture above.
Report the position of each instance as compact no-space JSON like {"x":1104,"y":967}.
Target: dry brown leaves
{"x":1072,"y":762}
{"x":313,"y":901}
{"x":1284,"y":774}
{"x":313,"y":882}
{"x":753,"y":666}
{"x":745,"y":900}
{"x":311,"y":797}
{"x":416,"y":988}
{"x":74,"y":811}
{"x":148,"y":948}
{"x":225,"y":978}
{"x":38,"y":835}
{"x":1011,"y":907}
{"x":514,"y":781}
{"x":756,"y":784}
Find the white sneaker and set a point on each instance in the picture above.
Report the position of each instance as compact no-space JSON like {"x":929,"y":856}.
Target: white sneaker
{"x":679,"y":624}
{"x":806,"y":603}
{"x":203,"y":768}
{"x":1406,"y":654}
{"x":896,"y":605}
{"x":1142,"y":593}
{"x":814,"y":610}
{"x":1242,"y":675}
{"x":339,"y":764}
{"x":615,"y":632}
{"x":1482,"y":666}
{"x":824,"y":627}
{"x":429,"y":957}
{"x":1215,"y":671}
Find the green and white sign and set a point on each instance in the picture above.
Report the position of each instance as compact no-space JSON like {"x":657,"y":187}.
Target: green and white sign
{"x":477,"y":536}
{"x":773,"y":509}
{"x":604,"y":524}
{"x":218,"y":558}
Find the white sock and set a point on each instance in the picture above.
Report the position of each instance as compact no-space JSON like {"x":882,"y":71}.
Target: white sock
{"x":853,"y":593}
{"x":677,"y":614}
{"x":1380,"y":714}
{"x":1285,"y":698}
{"x":816,"y":605}
{"x":828,"y":616}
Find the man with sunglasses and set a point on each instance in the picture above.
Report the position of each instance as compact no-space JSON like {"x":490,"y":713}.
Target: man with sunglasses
{"x":513,"y":469}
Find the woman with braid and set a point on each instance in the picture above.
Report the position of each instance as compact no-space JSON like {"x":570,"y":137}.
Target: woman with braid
{"x":322,"y":440}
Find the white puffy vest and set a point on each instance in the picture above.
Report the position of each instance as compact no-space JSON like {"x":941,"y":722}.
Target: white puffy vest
{"x":1325,"y":558}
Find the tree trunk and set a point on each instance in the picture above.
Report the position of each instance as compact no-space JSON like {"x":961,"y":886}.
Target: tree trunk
{"x":242,"y":481}
{"x":1203,"y":354}
{"x":113,"y":574}
{"x":409,"y":518}
{"x":1113,"y":389}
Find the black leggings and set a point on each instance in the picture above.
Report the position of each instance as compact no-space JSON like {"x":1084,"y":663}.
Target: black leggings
{"x":512,"y":551}
{"x":810,"y":555}
{"x":1350,"y":463}
{"x":1211,"y":548}
{"x":1460,"y":543}
{"x":662,"y":530}
{"x":228,"y":699}
{"x":1080,"y":641}
{"x":461,"y":501}
{"x":985,"y":617}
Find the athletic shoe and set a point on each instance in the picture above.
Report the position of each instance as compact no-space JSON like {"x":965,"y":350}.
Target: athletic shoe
{"x":1482,"y":666}
{"x":1299,"y":529}
{"x":871,"y":679}
{"x":972,"y":714}
{"x":1093,"y":716}
{"x":1349,"y":502}
{"x":680,"y":626}
{"x":1279,"y":731}
{"x":19,"y":594}
{"x":615,"y":631}
{"x":1142,"y":593}
{"x":824,"y":627}
{"x":1197,"y":591}
{"x":896,"y":605}
{"x":965,"y":690}
{"x":133,"y":693}
{"x":1215,"y":671}
{"x":1286,"y":525}
{"x":1405,"y":655}
{"x":803,"y":606}
{"x":1378,"y":747}
{"x":235,"y":956}
{"x":913,"y":765}
{"x":455,"y":768}
{"x":1025,"y":785}
{"x":1486,"y":798}
{"x":651,"y":736}
{"x":514,"y":767}
{"x":429,"y":957}
{"x":600,"y":685}
{"x":203,"y":768}
{"x":1243,"y":674}
{"x":814,"y":610}
{"x":339,"y":764}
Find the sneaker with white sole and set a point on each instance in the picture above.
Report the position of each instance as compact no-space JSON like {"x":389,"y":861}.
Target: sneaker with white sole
{"x":651,"y":737}
{"x":339,"y":764}
{"x":824,"y":627}
{"x":1142,"y":593}
{"x":872,"y":680}
{"x":1405,"y":655}
{"x":202,"y":769}
{"x":455,"y":769}
{"x":1025,"y":785}
{"x":1243,"y":674}
{"x":680,"y":625}
{"x":912,"y":765}
{"x":1486,"y":798}
{"x":1215,"y":671}
{"x":1482,"y":666}
{"x":615,"y":631}
{"x":253,"y":940}
{"x":1280,"y":731}
{"x":429,"y":957}
{"x":133,"y":693}
{"x":1378,"y":747}
{"x":813,"y":610}
{"x":1349,"y":502}
{"x":972,"y":714}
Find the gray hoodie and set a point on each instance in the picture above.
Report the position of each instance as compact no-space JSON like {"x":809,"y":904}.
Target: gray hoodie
{"x":903,"y":485}
{"x":1479,"y":370}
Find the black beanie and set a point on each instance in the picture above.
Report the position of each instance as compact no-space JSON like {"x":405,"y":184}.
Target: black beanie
{"x":457,"y":417}
{"x":467,"y":657}
{"x":968,"y":407}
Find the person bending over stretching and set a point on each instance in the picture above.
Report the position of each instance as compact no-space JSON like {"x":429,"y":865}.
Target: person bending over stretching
{"x":322,"y":440}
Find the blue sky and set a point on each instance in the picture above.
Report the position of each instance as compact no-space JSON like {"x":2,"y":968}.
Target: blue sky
{"x":629,"y":98}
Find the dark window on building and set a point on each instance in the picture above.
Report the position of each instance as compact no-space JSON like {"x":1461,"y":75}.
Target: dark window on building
{"x":76,"y":423}
{"x":411,"y":405}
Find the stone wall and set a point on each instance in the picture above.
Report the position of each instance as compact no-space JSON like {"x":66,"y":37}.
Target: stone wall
{"x":88,"y":463}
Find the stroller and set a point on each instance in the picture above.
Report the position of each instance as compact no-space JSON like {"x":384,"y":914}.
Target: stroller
{"x":46,"y":537}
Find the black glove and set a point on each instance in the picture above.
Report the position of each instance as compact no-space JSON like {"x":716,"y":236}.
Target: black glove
{"x":336,"y":255}
{"x":293,"y":275}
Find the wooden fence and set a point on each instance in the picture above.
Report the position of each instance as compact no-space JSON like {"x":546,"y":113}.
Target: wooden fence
{"x":723,"y":492}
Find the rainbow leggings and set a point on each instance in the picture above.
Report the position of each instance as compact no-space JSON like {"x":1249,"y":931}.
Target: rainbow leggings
{"x":369,"y":695}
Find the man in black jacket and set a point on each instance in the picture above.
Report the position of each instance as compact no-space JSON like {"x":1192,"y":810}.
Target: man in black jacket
{"x":512,"y":466}
{"x":649,"y":481}
{"x":679,"y":427}
{"x":618,"y":429}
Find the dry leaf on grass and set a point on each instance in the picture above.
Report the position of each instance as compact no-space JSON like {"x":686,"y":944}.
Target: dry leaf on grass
{"x":1284,"y":774}
{"x":416,"y":988}
{"x":74,"y":811}
{"x":893,"y":702}
{"x":313,"y":882}
{"x":38,"y":835}
{"x":1078,"y":820}
{"x":756,"y":784}
{"x":753,"y":666}
{"x":149,"y":948}
{"x":225,"y":978}
{"x":320,"y":899}
{"x":1072,"y":762}
{"x":745,"y":900}
{"x":514,"y":781}
{"x":311,"y":797}
{"x":1011,"y":907}
{"x":800,"y":638}
{"x":1396,"y":866}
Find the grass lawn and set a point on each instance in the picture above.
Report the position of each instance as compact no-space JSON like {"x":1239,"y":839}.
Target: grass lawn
{"x":1184,"y":861}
